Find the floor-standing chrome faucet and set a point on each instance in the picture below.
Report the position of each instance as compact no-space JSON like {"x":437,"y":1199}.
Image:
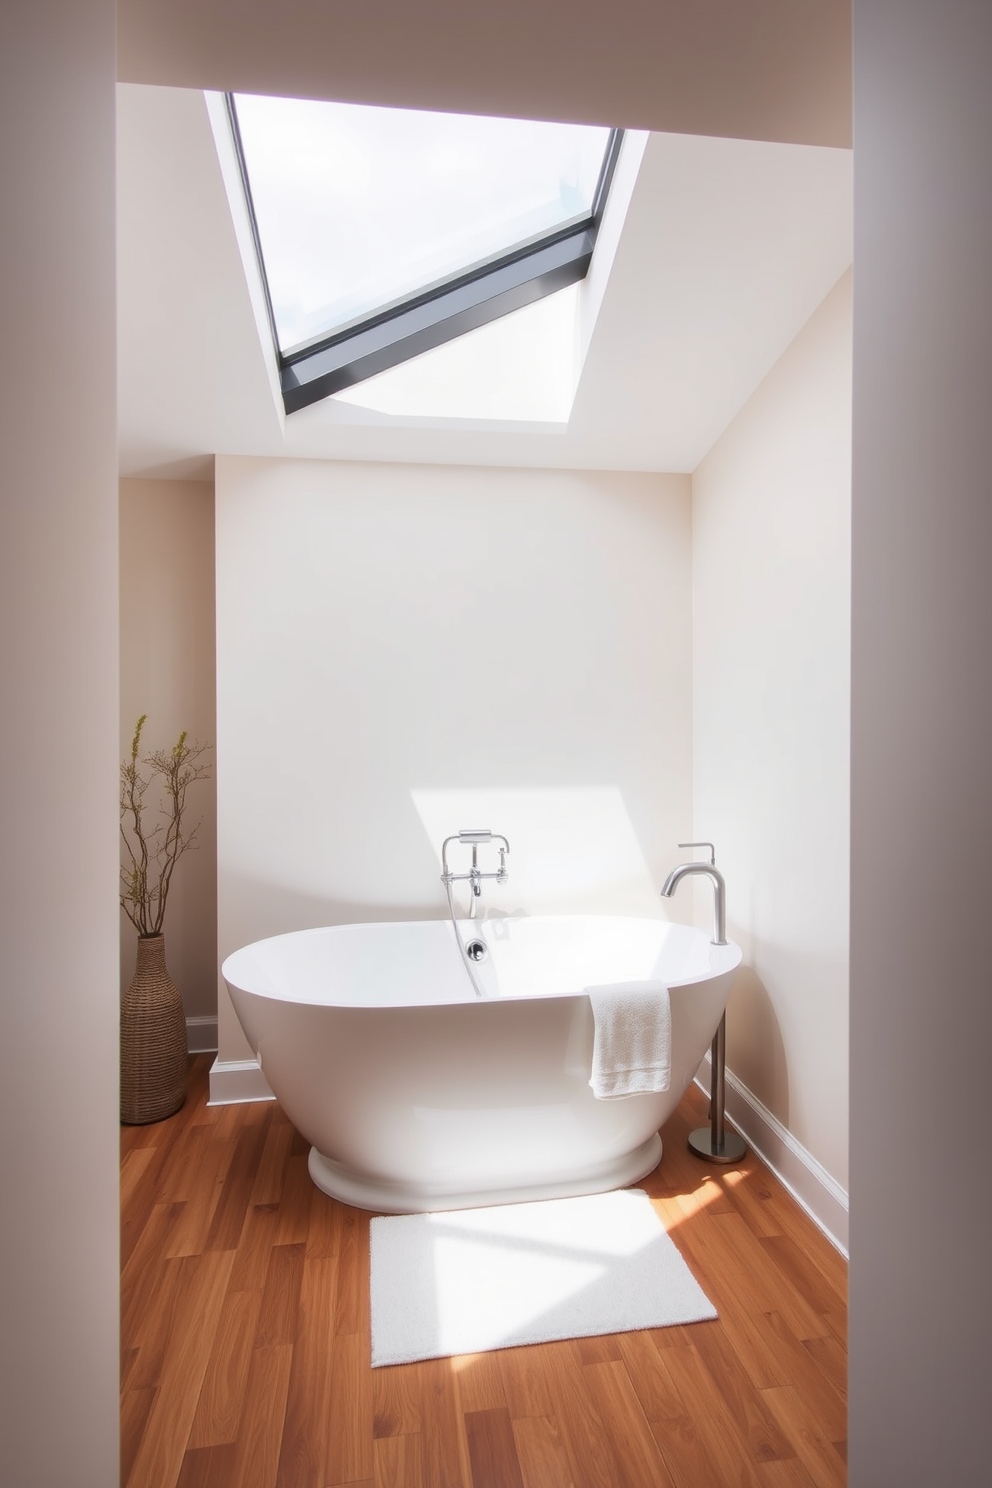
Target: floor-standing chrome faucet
{"x":712,"y":1142}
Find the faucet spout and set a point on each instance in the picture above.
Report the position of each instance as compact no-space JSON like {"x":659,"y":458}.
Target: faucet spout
{"x":710,"y":871}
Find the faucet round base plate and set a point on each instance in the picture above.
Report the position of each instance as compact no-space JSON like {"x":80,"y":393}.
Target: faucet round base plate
{"x":732,"y":1149}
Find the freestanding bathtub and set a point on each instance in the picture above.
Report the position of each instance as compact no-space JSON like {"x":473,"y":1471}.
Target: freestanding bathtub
{"x":418,"y":1095}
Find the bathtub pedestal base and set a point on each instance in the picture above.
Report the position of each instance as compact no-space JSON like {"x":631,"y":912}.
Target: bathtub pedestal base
{"x":393,"y":1196}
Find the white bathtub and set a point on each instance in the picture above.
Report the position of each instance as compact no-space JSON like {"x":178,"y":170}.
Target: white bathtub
{"x":417,"y":1095}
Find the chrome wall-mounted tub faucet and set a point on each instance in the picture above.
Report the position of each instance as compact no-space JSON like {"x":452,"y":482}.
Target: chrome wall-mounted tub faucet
{"x":474,"y":877}
{"x":713,"y":1142}
{"x":476,"y":951}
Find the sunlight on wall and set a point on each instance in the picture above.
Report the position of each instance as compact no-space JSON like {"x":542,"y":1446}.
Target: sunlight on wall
{"x":571,"y":849}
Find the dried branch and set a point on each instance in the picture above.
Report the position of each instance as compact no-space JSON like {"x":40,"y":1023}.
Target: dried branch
{"x":152,"y":852}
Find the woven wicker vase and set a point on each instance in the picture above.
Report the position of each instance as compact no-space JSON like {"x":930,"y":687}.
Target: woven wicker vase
{"x":153,"y":1039}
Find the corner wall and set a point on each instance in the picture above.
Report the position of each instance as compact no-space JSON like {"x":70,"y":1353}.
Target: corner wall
{"x":404,"y":651}
{"x":59,"y":1104}
{"x":168,"y":671}
{"x":921,"y":869}
{"x":771,"y":671}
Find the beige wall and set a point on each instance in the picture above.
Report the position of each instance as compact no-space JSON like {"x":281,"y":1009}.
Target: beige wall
{"x":921,"y":734}
{"x":168,"y":672}
{"x":407,"y":650}
{"x":771,"y":676}
{"x":747,"y":69}
{"x":58,"y":691}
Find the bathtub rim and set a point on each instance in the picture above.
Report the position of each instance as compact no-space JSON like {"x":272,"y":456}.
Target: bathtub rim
{"x":722,"y":958}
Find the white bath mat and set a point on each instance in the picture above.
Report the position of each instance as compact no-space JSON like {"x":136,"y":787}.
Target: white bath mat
{"x":469,"y":1280}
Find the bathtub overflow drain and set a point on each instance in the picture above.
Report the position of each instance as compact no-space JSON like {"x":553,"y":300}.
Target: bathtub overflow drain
{"x":476,"y":950}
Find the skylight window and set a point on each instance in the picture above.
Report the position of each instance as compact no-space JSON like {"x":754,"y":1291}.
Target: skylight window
{"x":382,"y":233}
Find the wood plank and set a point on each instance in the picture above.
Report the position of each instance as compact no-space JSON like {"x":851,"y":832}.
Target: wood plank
{"x":688,"y":1457}
{"x":303,"y":1453}
{"x":743,"y":1261}
{"x":652,"y":1381}
{"x":271,"y":1174}
{"x":752,"y":1195}
{"x":806,"y":1276}
{"x":446,"y":1463}
{"x":831,"y":1360}
{"x":837,"y":1323}
{"x":697,"y":1183}
{"x":581,"y":1429}
{"x":256,"y":1453}
{"x":726,"y":1445}
{"x":478,"y":1382}
{"x":222,"y":1394}
{"x":492,"y":1450}
{"x":179,"y":1174}
{"x":350,"y":1452}
{"x":633,"y":1451}
{"x":787,"y":1474}
{"x":156,"y":1326}
{"x":251,"y":1261}
{"x":792,"y":1222}
{"x":767,"y":1443}
{"x":279,"y":1316}
{"x":395,"y":1401}
{"x":351,"y":1309}
{"x":141,"y":1274}
{"x":206,"y":1467}
{"x":525,"y":1374}
{"x":601,"y":1348}
{"x":213,"y":1161}
{"x":142,"y":1202}
{"x":135,"y":1408}
{"x":791,"y":1363}
{"x":232,"y":1206}
{"x":324,"y":1226}
{"x":541,"y":1453}
{"x":814,"y":1449}
{"x":399,"y":1462}
{"x":133,"y":1168}
{"x":194,"y":1319}
{"x":271,"y":1171}
{"x":294,"y":1206}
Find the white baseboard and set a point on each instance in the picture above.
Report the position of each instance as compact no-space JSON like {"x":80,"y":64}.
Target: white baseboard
{"x":233,"y":1081}
{"x":808,"y":1181}
{"x":201,"y":1035}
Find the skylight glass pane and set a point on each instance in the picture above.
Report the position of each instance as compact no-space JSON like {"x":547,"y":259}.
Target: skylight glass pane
{"x":358,"y":208}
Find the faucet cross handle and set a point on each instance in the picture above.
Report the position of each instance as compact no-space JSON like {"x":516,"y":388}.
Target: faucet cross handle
{"x":703,"y":844}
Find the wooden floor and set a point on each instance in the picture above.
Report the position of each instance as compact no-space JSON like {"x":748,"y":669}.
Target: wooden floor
{"x":245,"y":1338}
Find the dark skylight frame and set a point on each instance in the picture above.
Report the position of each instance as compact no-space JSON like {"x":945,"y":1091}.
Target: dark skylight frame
{"x":439,"y":312}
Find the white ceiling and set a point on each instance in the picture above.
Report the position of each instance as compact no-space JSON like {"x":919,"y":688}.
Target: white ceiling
{"x":726,"y":249}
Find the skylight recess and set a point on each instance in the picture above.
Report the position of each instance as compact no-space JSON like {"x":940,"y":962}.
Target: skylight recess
{"x":382,"y":233}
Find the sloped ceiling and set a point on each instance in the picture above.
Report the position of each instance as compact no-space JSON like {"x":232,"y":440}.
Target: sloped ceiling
{"x":744,"y":69}
{"x":727,"y":248}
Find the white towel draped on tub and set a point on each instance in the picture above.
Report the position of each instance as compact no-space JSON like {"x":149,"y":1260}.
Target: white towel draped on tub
{"x":632,"y":1042}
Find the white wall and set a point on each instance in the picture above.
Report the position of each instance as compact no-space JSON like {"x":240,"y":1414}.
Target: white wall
{"x":58,"y":689}
{"x":407,"y":650}
{"x":771,"y":671}
{"x":921,"y":788}
{"x":168,"y":672}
